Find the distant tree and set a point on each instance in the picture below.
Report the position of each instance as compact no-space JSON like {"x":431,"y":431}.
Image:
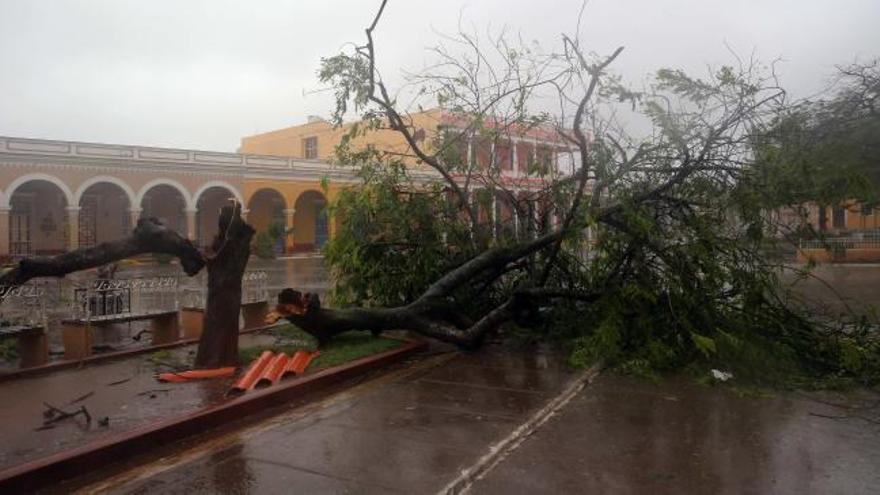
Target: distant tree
{"x":828,"y":150}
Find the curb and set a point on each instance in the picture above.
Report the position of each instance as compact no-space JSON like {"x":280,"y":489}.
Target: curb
{"x":27,"y":477}
{"x":107,"y":356}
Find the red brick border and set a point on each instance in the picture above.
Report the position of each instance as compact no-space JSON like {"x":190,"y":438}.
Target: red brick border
{"x":32,"y":475}
{"x":107,"y":356}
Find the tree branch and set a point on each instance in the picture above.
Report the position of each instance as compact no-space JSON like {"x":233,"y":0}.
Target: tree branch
{"x":149,"y":236}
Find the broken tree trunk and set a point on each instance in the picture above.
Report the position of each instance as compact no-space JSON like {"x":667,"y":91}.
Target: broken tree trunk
{"x":230,"y":251}
{"x":149,"y":236}
{"x":433,"y":314}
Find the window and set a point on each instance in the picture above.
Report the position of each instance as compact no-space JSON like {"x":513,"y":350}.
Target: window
{"x":838,"y":218}
{"x":310,"y":147}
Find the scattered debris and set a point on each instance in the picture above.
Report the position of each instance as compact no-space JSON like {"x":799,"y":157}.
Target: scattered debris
{"x":721,"y":376}
{"x":54,"y":414}
{"x":120,"y":382}
{"x":152,"y":393}
{"x":81,"y":398}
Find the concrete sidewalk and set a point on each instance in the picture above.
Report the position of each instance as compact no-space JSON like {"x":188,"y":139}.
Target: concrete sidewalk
{"x":411,"y":433}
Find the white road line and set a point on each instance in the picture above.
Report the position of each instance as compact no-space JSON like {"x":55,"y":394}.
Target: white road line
{"x":504,"y":447}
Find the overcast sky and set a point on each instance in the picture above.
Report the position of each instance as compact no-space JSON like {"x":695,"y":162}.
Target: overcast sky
{"x":201,"y":74}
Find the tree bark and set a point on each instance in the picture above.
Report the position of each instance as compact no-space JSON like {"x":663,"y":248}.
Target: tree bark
{"x":432,"y":314}
{"x":149,"y":236}
{"x":218,"y":345}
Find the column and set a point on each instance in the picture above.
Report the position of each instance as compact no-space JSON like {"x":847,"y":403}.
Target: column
{"x":190,"y":224}
{"x":536,"y":217}
{"x":514,"y":160}
{"x":493,"y":160}
{"x":4,"y":231}
{"x":134,"y":215}
{"x":288,"y":223}
{"x":331,"y":226}
{"x":73,"y":227}
{"x":494,"y":216}
{"x":516,"y":222}
{"x":535,"y":153}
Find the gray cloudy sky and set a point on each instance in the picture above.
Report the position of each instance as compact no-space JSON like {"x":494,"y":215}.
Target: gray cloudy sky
{"x":202,"y":73}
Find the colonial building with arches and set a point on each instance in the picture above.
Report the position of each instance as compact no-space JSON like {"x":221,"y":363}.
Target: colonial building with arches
{"x":61,"y":195}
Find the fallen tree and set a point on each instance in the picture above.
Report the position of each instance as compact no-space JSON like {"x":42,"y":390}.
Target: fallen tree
{"x":656,"y":258}
{"x":658,"y":254}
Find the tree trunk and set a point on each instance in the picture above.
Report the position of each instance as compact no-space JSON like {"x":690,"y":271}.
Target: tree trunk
{"x":218,"y":345}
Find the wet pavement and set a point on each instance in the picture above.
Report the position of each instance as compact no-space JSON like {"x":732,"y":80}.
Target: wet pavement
{"x":841,"y":286}
{"x":416,"y":429}
{"x":622,"y":435}
{"x":411,"y":434}
{"x":125,"y":391}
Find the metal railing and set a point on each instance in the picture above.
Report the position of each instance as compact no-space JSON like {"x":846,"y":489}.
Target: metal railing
{"x":841,"y":243}
{"x":23,"y":305}
{"x":108,"y":297}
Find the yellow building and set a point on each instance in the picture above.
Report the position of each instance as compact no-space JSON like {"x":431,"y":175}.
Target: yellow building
{"x":513,"y":151}
{"x":844,"y":219}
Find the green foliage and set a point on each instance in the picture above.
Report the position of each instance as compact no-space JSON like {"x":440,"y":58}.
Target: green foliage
{"x":276,"y":230}
{"x":350,"y":346}
{"x":167,"y":359}
{"x":264,"y":246}
{"x":264,"y":242}
{"x":391,"y":245}
{"x":8,"y":350}
{"x":827,"y":151}
{"x":679,"y":277}
{"x":343,"y":348}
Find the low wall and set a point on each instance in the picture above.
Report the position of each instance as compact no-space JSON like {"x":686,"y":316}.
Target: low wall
{"x":852,"y":255}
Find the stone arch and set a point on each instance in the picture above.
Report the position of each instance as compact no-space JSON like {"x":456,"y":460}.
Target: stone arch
{"x":311,"y":227}
{"x":129,"y":192}
{"x":15,"y":184}
{"x":105,"y":211}
{"x":267,"y":208}
{"x":40,"y":220}
{"x":187,"y":198}
{"x":212,"y":184}
{"x":207,"y":203}
{"x":166,"y":200}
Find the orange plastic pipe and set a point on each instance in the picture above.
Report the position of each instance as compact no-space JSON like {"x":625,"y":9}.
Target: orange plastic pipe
{"x":183,"y":376}
{"x":301,"y":361}
{"x":249,"y":378}
{"x":273,"y":371}
{"x":294,"y":362}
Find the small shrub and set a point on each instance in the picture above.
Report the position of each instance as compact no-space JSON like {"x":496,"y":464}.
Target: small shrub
{"x":264,"y":246}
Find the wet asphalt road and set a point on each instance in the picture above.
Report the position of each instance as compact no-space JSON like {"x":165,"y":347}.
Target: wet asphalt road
{"x":629,"y":436}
